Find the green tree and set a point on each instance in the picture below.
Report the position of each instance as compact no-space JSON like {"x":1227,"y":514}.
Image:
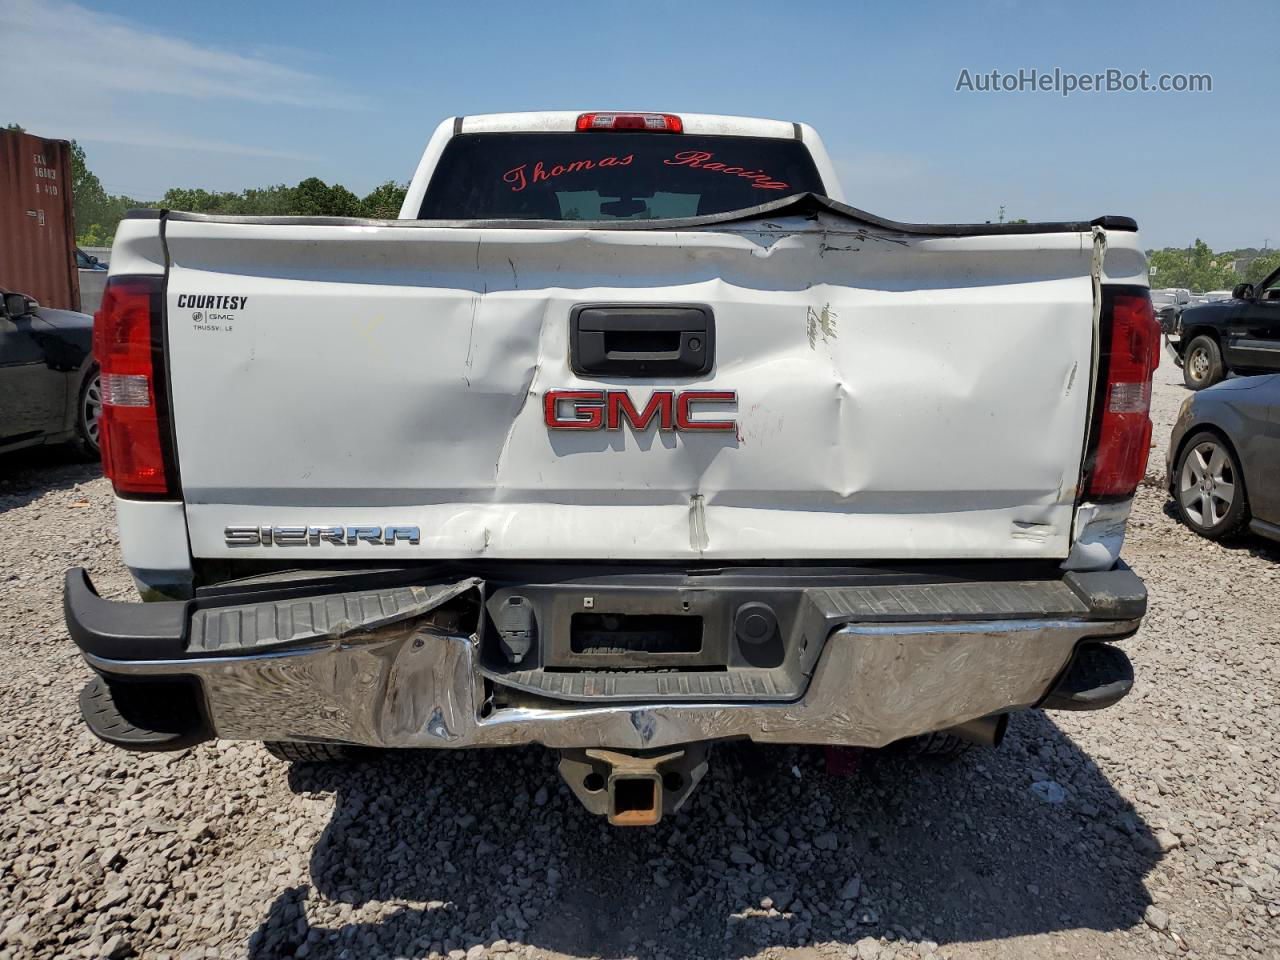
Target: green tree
{"x":343,"y":203}
{"x":96,"y":211}
{"x":1262,"y":267}
{"x":88,"y":197}
{"x":315,"y":198}
{"x":310,"y":198}
{"x":275,"y":201}
{"x":1196,"y":267}
{"x":383,"y":202}
{"x":197,"y":200}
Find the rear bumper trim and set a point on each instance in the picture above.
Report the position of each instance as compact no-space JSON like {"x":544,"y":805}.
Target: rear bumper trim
{"x":123,"y":631}
{"x":417,"y":688}
{"x":391,"y":677}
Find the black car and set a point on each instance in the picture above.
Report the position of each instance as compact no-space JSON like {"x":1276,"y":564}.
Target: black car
{"x":1169,"y":305}
{"x":1240,"y":335}
{"x":85,"y":261}
{"x":50,"y":389}
{"x":1223,"y":463}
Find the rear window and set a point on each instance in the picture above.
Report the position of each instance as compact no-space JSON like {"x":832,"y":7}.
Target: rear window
{"x":612,"y":176}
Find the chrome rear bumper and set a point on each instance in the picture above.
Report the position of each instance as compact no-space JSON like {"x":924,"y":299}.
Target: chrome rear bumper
{"x":406,"y":683}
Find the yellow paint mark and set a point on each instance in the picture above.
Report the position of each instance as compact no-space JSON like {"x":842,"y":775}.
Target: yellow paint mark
{"x":820,"y":323}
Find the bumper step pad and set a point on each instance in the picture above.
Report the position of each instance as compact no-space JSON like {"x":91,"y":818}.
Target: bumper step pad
{"x":162,"y":714}
{"x":231,"y":631}
{"x":1098,"y":676}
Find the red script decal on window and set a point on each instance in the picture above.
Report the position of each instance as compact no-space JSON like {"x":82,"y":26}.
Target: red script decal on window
{"x":517,"y":178}
{"x":699,"y":158}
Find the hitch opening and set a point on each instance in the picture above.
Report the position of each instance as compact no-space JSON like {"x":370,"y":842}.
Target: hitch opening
{"x":634,"y":789}
{"x":636,"y":801}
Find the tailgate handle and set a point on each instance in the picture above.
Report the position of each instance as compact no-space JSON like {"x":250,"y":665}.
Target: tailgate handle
{"x":641,"y":340}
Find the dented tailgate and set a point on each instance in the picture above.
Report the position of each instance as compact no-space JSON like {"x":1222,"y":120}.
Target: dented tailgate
{"x":889,"y":395}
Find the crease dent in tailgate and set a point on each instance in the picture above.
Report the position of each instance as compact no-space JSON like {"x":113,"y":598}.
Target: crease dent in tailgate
{"x":900,"y":393}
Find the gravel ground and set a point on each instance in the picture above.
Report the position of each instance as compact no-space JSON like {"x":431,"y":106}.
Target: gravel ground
{"x":1152,"y":828}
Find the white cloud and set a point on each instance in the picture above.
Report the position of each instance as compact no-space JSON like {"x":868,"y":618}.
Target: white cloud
{"x":70,"y":47}
{"x":138,"y":137}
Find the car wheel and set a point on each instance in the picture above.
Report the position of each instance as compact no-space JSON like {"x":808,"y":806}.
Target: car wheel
{"x":1202,"y":363}
{"x":1210,"y":487}
{"x":88,"y":440}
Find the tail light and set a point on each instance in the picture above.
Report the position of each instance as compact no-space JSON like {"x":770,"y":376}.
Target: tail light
{"x":1121,"y":429}
{"x":653,"y":122}
{"x":134,"y":430}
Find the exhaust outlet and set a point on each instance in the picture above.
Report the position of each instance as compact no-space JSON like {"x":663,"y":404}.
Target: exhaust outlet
{"x":984,"y":731}
{"x":633,"y":789}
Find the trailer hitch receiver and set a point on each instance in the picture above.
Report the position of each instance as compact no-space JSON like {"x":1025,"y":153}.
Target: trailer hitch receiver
{"x":634,"y":789}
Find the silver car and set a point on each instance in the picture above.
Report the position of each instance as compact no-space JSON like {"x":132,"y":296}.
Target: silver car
{"x":1223,"y":462}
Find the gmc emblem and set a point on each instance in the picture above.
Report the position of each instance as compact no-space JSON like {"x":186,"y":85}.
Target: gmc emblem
{"x":606,"y":409}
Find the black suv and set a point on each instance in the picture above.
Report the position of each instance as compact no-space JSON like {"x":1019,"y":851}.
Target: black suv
{"x":1240,"y":335}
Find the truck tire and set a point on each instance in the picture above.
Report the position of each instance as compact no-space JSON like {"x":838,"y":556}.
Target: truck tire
{"x":1202,"y":363}
{"x":938,"y":745}
{"x":315,"y":752}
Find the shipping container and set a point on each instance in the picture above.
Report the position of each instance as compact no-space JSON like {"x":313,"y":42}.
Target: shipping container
{"x":37,"y":225}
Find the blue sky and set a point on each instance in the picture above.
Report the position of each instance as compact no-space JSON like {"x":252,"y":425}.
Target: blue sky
{"x":238,"y":94}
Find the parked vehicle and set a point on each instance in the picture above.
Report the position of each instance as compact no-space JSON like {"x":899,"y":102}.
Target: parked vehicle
{"x":1240,"y":335}
{"x":630,"y":436}
{"x":1223,"y":461}
{"x":85,"y":261}
{"x":50,"y":389}
{"x":93,"y":280}
{"x":1169,"y":305}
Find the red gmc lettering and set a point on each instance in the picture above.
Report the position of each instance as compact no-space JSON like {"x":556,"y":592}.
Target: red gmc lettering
{"x":659,"y":405}
{"x":588,"y":406}
{"x":607,"y":409}
{"x":684,"y":416}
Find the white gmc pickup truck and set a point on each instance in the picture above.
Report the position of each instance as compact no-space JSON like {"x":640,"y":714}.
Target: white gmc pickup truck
{"x":627,"y":437}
